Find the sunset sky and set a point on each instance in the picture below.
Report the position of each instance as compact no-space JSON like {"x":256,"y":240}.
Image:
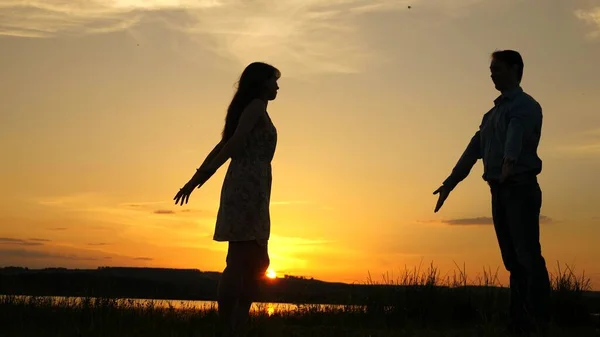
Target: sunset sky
{"x":108,"y":106}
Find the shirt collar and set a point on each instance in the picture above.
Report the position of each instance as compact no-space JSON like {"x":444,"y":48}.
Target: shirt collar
{"x":509,"y":95}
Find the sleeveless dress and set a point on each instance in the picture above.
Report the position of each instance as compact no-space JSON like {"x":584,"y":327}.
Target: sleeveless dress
{"x":246,"y":192}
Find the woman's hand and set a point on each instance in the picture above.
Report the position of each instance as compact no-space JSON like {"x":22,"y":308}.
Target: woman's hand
{"x":184,"y":193}
{"x":201,"y":176}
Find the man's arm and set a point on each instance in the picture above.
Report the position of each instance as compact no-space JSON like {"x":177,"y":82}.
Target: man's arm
{"x":523,"y":118}
{"x":466,"y":162}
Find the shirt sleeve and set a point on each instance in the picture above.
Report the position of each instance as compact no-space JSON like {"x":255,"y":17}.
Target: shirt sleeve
{"x":522,"y":120}
{"x":466,"y":162}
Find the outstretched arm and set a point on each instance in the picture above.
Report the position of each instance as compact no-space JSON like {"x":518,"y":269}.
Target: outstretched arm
{"x":464,"y":165}
{"x":203,"y":173}
{"x":223,"y":151}
{"x":250,"y":116}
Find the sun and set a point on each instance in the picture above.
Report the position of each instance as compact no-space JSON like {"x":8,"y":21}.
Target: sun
{"x":271,"y":273}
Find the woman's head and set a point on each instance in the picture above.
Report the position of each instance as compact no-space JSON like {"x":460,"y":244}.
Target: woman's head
{"x":258,"y":81}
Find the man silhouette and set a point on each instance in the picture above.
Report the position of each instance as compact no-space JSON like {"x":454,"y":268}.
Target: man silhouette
{"x":507,"y":142}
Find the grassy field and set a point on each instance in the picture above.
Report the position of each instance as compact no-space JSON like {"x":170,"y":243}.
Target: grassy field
{"x":424,"y":305}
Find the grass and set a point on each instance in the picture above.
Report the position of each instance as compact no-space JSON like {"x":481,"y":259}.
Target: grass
{"x":418,"y":303}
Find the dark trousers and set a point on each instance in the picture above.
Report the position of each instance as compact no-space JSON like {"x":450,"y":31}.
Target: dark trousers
{"x":516,"y":212}
{"x":247,"y":262}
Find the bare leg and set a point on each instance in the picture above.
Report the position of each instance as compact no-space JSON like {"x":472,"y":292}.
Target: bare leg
{"x":241,"y":316}
{"x":250,"y":287}
{"x":229,"y":291}
{"x":227,"y":303}
{"x":253,"y":274}
{"x":225,"y":326}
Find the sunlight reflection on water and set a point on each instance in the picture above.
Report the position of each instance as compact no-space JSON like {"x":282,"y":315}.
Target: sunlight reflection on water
{"x":268,"y":309}
{"x":259,"y":308}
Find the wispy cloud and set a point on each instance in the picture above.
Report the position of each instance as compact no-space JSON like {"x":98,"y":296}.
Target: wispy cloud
{"x":299,"y":241}
{"x":94,"y":203}
{"x":70,"y":200}
{"x":470,"y":221}
{"x":66,"y":256}
{"x":146,"y":221}
{"x":151,"y":207}
{"x":143,"y":258}
{"x":164,"y":211}
{"x":290,"y":202}
{"x":587,"y":144}
{"x":98,"y":244}
{"x":589,"y":149}
{"x":591,"y":17}
{"x":299,"y":203}
{"x":39,"y":240}
{"x":141,"y":204}
{"x":38,"y":254}
{"x":482,"y":221}
{"x":41,"y":19}
{"x":20,"y":242}
{"x":308,"y":36}
{"x":189,"y":210}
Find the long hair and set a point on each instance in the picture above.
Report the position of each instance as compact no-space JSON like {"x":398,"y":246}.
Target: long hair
{"x":250,"y":86}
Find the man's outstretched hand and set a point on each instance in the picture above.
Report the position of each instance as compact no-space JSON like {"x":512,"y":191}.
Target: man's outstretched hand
{"x":443,"y":192}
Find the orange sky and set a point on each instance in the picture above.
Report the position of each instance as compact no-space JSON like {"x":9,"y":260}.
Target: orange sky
{"x":108,"y":107}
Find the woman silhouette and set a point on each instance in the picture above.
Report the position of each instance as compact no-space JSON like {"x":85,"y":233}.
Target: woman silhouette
{"x":249,"y":139}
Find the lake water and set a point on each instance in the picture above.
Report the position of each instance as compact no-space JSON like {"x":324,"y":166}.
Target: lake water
{"x":267,"y":308}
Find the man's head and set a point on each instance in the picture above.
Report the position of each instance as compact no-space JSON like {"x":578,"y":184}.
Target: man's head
{"x":506,"y":69}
